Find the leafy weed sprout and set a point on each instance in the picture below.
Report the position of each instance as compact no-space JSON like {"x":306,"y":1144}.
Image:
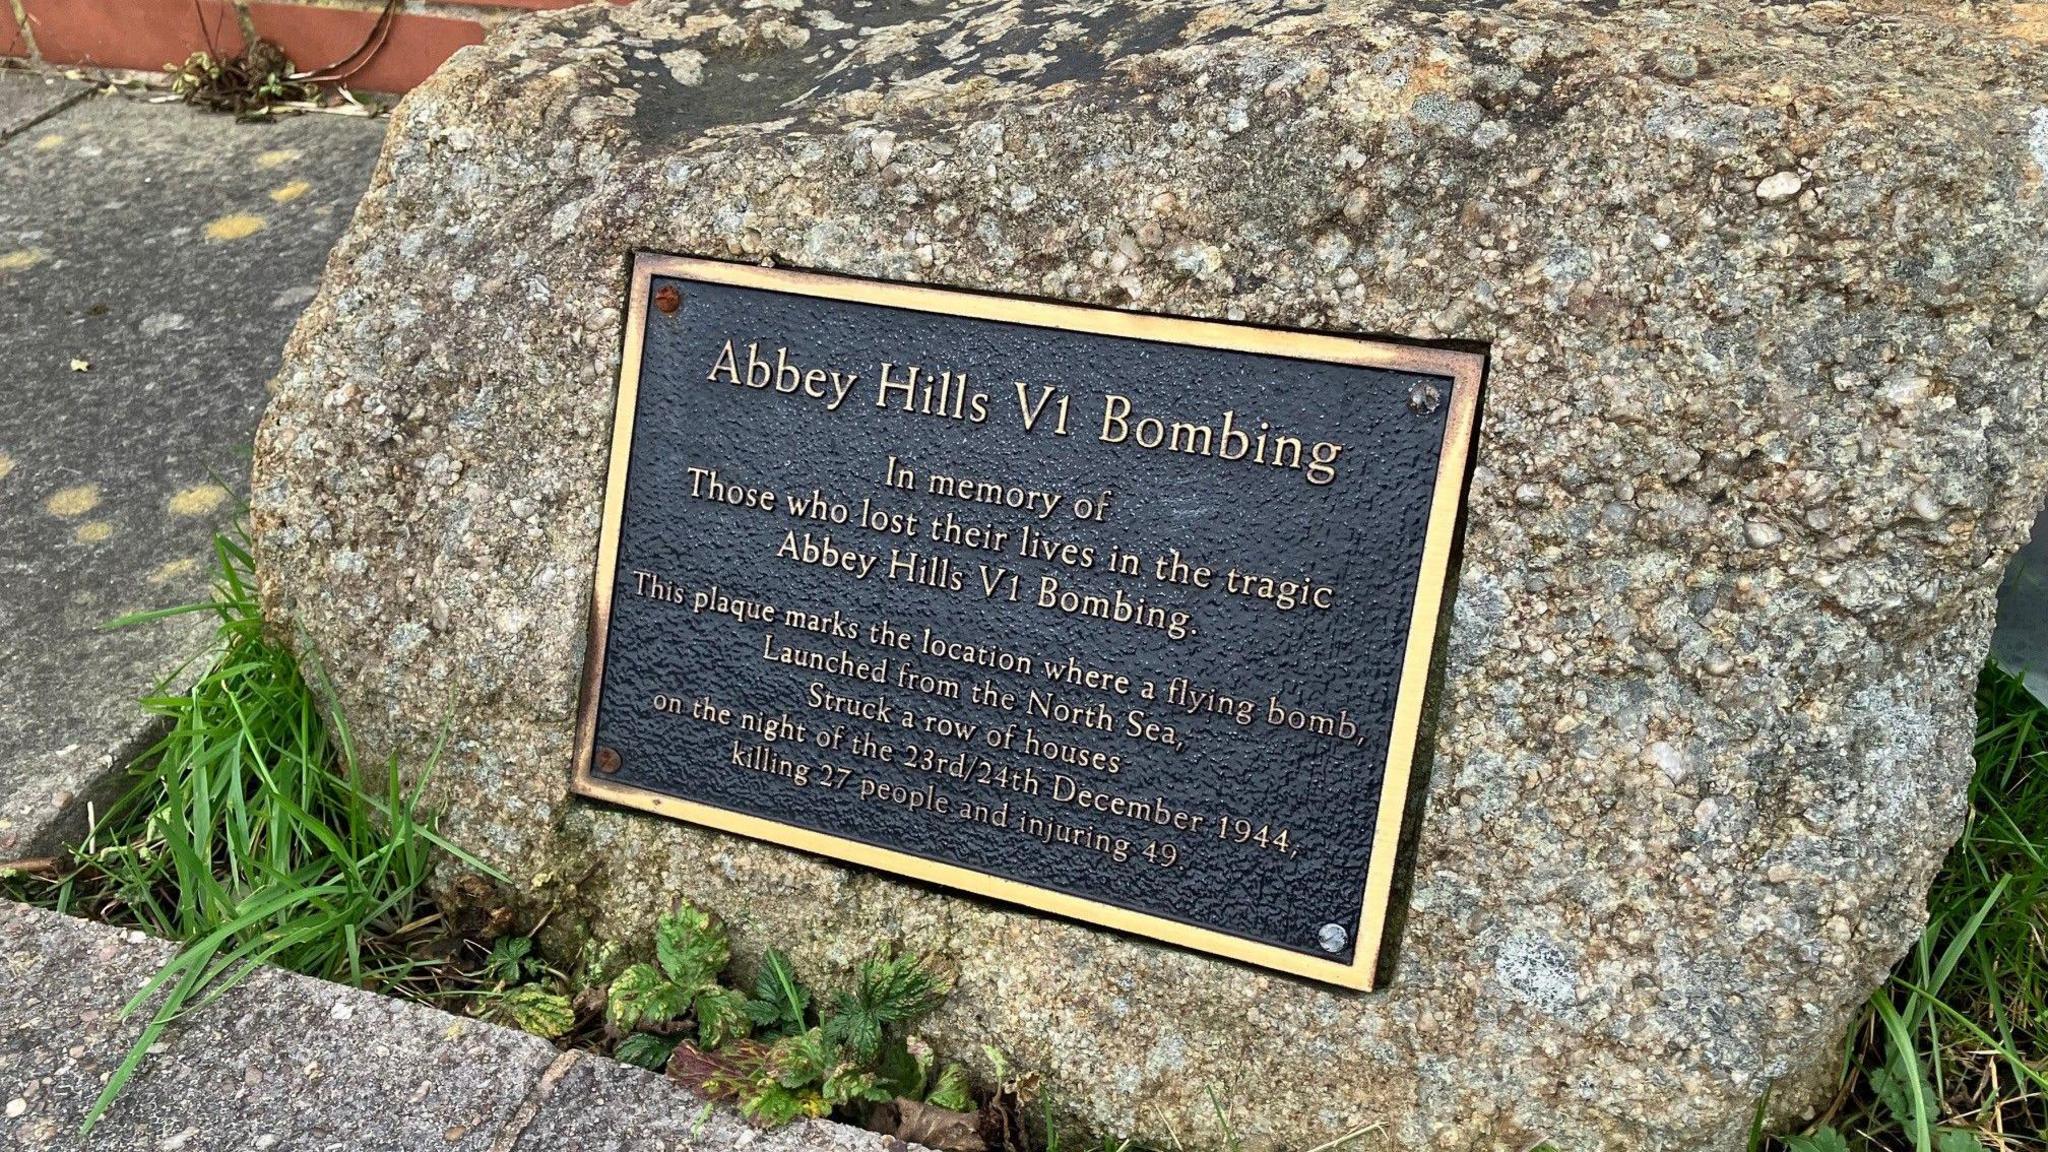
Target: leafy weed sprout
{"x":783,"y":1052}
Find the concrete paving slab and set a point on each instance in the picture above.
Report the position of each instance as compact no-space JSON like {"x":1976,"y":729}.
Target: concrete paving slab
{"x":289,"y":1062}
{"x":153,"y":259}
{"x":27,"y":98}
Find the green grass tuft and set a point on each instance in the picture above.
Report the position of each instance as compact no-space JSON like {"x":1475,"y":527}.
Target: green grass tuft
{"x":250,"y":835}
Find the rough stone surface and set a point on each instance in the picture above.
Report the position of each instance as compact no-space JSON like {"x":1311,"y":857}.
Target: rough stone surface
{"x":1763,"y":292}
{"x":289,"y":1062}
{"x":152,"y":261}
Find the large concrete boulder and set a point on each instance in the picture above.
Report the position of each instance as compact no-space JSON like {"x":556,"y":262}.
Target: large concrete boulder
{"x":1762,"y":293}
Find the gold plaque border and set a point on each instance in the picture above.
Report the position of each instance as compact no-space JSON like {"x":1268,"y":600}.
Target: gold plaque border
{"x":1463,"y":369}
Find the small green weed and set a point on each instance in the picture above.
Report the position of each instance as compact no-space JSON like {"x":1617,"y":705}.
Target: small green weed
{"x":691,"y":951}
{"x":252,"y":83}
{"x":782,"y":1052}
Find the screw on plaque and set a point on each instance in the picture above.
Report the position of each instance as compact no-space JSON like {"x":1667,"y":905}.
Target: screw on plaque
{"x":607,"y":760}
{"x":1423,"y":399}
{"x":668,"y":299}
{"x":1332,"y":937}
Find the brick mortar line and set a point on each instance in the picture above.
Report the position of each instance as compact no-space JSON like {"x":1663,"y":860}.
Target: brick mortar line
{"x":242,"y":19}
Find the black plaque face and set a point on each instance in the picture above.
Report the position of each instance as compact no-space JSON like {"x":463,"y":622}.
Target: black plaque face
{"x":1119,"y":617}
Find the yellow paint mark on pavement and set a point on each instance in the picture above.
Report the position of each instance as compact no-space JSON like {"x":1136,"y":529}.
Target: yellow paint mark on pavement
{"x":277,"y":157}
{"x":286,"y":193}
{"x":235,"y":226}
{"x":173,"y":569}
{"x":199,"y":500}
{"x":76,"y":501}
{"x":48,"y":141}
{"x":6,"y":465}
{"x":21,"y":258}
{"x":93,"y":532}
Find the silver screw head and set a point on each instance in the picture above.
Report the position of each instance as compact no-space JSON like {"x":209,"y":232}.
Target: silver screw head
{"x":1332,"y":937}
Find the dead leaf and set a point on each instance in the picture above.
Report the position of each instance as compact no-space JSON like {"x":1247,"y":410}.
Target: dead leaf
{"x":1002,"y":1118}
{"x":475,"y":909}
{"x":712,"y":1074}
{"x":916,"y":1122}
{"x":589,"y":1003}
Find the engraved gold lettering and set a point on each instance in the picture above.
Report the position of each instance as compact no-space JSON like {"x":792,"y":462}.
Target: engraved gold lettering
{"x":1224,"y":440}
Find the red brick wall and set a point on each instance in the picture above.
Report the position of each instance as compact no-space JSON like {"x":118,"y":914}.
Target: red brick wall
{"x":150,"y":34}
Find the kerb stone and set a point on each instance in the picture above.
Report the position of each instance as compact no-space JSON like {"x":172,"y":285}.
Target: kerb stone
{"x":290,"y":1062}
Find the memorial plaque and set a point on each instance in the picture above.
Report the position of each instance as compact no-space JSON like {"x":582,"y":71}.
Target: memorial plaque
{"x":1124,"y":618}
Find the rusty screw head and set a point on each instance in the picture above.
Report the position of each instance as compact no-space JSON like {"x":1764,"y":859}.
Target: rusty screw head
{"x":668,"y":299}
{"x":607,"y":760}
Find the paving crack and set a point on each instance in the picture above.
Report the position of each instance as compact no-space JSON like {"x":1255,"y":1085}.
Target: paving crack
{"x":536,"y":1099}
{"x":9,"y":131}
